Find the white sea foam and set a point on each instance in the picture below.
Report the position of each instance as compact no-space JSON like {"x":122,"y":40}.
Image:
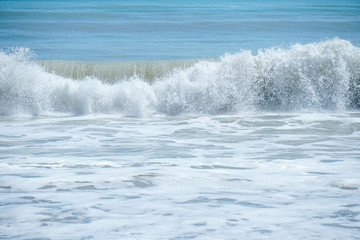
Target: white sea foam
{"x":315,"y":77}
{"x":253,"y":176}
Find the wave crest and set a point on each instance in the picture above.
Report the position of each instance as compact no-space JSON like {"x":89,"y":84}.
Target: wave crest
{"x":313,"y":77}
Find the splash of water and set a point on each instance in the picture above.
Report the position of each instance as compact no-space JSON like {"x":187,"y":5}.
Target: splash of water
{"x":313,"y":77}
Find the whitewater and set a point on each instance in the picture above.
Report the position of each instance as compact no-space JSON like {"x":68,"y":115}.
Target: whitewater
{"x":314,"y":77}
{"x":246,"y":146}
{"x":179,"y":119}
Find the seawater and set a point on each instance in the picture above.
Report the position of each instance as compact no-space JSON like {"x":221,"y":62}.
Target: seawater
{"x":179,"y":120}
{"x":176,"y":29}
{"x":320,"y":76}
{"x":244,"y":176}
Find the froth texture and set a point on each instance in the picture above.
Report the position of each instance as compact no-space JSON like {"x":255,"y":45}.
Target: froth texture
{"x":313,"y":77}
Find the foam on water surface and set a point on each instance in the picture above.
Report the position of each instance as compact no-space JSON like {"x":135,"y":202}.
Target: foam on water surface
{"x":254,"y":176}
{"x":260,"y":143}
{"x":313,"y":77}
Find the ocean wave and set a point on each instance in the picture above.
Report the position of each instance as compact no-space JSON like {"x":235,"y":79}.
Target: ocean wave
{"x":114,"y":71}
{"x":323,"y":76}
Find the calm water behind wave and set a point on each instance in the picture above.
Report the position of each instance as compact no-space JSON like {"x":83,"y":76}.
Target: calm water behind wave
{"x":123,"y":30}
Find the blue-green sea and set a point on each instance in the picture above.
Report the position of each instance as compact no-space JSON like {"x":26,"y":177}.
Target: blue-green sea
{"x":171,"y":29}
{"x":179,"y":119}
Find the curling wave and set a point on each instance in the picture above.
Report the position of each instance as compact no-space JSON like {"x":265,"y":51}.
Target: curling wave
{"x":322,"y":76}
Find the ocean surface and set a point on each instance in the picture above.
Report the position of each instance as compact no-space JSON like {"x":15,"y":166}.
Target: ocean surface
{"x":179,"y":119}
{"x":171,"y":29}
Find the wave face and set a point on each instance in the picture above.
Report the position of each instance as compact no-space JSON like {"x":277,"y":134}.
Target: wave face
{"x":321,"y":76}
{"x":114,"y":71}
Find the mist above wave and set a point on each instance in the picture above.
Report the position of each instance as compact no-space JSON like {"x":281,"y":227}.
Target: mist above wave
{"x":313,"y":77}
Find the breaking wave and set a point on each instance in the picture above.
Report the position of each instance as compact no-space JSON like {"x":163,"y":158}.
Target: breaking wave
{"x":322,"y":76}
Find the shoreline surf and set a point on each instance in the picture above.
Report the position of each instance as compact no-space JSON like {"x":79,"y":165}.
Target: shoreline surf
{"x":321,"y":76}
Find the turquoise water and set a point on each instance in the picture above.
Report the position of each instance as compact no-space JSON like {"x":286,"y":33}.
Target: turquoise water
{"x":146,"y":120}
{"x":153,"y":30}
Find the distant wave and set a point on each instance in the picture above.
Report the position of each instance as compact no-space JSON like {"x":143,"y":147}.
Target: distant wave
{"x":322,"y":76}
